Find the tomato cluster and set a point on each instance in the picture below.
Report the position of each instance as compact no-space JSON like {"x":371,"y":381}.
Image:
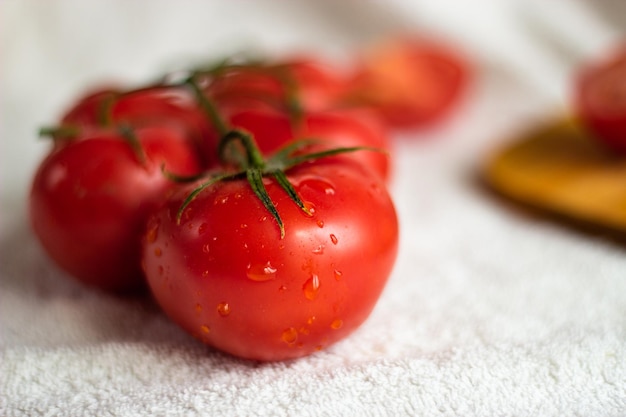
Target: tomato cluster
{"x":249,"y":197}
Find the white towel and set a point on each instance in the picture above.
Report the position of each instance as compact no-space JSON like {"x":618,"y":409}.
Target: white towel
{"x":489,"y":312}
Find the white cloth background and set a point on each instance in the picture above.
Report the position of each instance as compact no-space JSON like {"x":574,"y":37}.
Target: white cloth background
{"x":489,"y":312}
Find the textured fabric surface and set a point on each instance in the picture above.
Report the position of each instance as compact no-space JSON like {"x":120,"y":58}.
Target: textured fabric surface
{"x":490,"y":311}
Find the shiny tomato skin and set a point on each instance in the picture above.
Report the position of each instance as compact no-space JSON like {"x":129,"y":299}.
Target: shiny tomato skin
{"x":600,"y":100}
{"x":315,"y":85}
{"x":409,"y":82}
{"x":333,"y":129}
{"x":168,"y":107}
{"x":90,"y":199}
{"x":225,"y":275}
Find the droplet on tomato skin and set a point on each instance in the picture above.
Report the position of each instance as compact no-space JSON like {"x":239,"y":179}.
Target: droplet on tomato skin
{"x":310,"y":320}
{"x":310,"y":209}
{"x":223,"y":309}
{"x":334,"y":239}
{"x":205,"y":329}
{"x":336,"y":324}
{"x":203,"y":228}
{"x":311,"y":287}
{"x":243,"y":226}
{"x":319,"y":250}
{"x":158,"y":252}
{"x":261,"y":272}
{"x":338,"y":274}
{"x":205,"y":274}
{"x":153,"y":232}
{"x":198,"y":308}
{"x":289,"y":336}
{"x":320,"y":224}
{"x":206,"y":248}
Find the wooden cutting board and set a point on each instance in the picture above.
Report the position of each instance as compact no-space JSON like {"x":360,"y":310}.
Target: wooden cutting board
{"x":559,"y":169}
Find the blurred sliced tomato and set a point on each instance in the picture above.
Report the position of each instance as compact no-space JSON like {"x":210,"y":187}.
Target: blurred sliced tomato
{"x":600,"y":98}
{"x":409,"y":82}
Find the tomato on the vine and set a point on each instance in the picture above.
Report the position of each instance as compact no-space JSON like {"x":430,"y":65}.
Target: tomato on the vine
{"x":220,"y":269}
{"x":410,"y":82}
{"x":90,"y":198}
{"x":168,"y":107}
{"x":600,"y":99}
{"x":298,"y":84}
{"x":331,"y":129}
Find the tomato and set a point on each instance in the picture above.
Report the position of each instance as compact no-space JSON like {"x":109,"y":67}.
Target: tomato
{"x":600,"y":99}
{"x":169,"y":107}
{"x":409,"y":82}
{"x":333,"y":129}
{"x":226,"y":276}
{"x":90,"y":198}
{"x":301,"y":82}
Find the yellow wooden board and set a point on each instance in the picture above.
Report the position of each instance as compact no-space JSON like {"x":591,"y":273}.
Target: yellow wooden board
{"x":561,"y":170}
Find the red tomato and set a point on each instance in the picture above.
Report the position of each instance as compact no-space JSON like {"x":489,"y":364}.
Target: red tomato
{"x":346,"y":128}
{"x":601,"y":99}
{"x":173,"y":108}
{"x":90,"y":199}
{"x":225,"y":275}
{"x":309,"y":84}
{"x":410,"y":83}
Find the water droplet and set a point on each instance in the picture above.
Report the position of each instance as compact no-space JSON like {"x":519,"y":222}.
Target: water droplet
{"x":319,"y":250}
{"x":290,"y":335}
{"x":282,"y":288}
{"x":158,"y":252}
{"x":261,"y":272}
{"x":206,"y":248}
{"x":153,"y":233}
{"x":310,"y":320}
{"x":262,"y":219}
{"x":205,"y":329}
{"x":320,"y":223}
{"x":205,"y":274}
{"x":243,"y":225}
{"x":310,"y":209}
{"x":311,"y":287}
{"x":336,"y":324}
{"x":337,"y":274}
{"x":223,"y":309}
{"x":198,"y":308}
{"x":333,"y":239}
{"x":203,"y":228}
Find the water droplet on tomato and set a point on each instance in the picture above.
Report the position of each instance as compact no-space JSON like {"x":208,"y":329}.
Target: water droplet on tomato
{"x":337,"y":274}
{"x":205,"y":329}
{"x":203,"y":228}
{"x":319,"y":250}
{"x":320,"y":223}
{"x":290,"y":335}
{"x":334,"y":239}
{"x":223,"y":309}
{"x":205,"y":274}
{"x":158,"y":252}
{"x":153,"y":233}
{"x":336,"y":324}
{"x":310,"y":320}
{"x":311,"y":287}
{"x":261,"y":272}
{"x":310,"y":209}
{"x":206,"y":248}
{"x":243,"y":226}
{"x":198,"y":308}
